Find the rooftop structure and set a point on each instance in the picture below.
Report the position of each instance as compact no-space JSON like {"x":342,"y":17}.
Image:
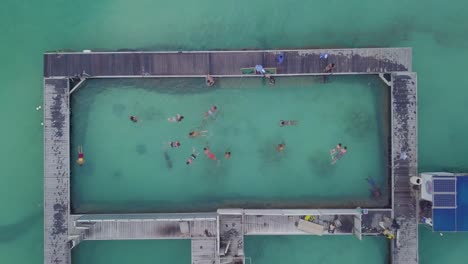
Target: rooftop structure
{"x":218,"y":237}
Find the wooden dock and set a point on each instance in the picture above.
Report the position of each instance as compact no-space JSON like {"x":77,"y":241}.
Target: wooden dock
{"x":404,"y":165}
{"x":56,"y":170}
{"x":219,"y":236}
{"x":140,"y":64}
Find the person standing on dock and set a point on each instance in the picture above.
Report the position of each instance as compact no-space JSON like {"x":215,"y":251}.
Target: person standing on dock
{"x":80,"y":160}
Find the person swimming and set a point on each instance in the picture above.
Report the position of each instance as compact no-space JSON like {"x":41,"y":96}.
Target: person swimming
{"x":194,"y":133}
{"x":178,"y":118}
{"x":209,"y":154}
{"x":375,"y":189}
{"x":80,"y":160}
{"x":210,"y":80}
{"x":280,"y":147}
{"x":227,"y":154}
{"x":340,"y":154}
{"x":213,"y":110}
{"x":174,"y":144}
{"x":335,"y":150}
{"x":134,"y":119}
{"x":287,"y":123}
{"x":192,"y":157}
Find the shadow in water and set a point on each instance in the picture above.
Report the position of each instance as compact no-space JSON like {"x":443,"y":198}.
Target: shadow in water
{"x":14,"y":231}
{"x":320,"y":163}
{"x":358,"y":124}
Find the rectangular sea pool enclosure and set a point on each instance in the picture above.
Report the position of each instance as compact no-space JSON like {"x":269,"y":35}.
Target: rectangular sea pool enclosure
{"x":142,"y":173}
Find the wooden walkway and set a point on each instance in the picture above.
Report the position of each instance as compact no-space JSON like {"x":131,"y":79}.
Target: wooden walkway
{"x":56,"y":171}
{"x":224,"y":63}
{"x":404,"y":165}
{"x":148,"y":226}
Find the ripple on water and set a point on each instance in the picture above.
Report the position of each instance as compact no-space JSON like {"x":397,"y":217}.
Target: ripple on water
{"x":141,"y":149}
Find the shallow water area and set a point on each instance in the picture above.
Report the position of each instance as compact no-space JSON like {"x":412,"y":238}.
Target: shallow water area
{"x":131,"y":167}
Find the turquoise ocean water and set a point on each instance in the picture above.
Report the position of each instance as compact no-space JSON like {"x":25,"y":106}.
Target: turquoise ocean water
{"x":435,"y":29}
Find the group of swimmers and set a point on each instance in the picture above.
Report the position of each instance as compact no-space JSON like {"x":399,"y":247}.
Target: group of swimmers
{"x":337,"y":153}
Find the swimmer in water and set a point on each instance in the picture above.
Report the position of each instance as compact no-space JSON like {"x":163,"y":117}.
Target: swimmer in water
{"x":80,"y":160}
{"x":210,"y":80}
{"x":174,"y":144}
{"x":213,"y":110}
{"x":280,"y":147}
{"x":134,"y":119}
{"x":209,"y":154}
{"x":375,"y":190}
{"x":340,"y":154}
{"x":194,"y":133}
{"x":335,"y":150}
{"x":287,"y":123}
{"x":192,"y":157}
{"x":271,"y":79}
{"x":227,"y":154}
{"x":178,"y":118}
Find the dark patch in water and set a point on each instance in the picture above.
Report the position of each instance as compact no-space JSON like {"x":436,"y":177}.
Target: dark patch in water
{"x":268,"y":152}
{"x":118,"y":110}
{"x":117,"y":174}
{"x":359,"y":124}
{"x":13,"y":231}
{"x":141,"y":149}
{"x":152,"y":113}
{"x":320,"y":164}
{"x":168,"y":160}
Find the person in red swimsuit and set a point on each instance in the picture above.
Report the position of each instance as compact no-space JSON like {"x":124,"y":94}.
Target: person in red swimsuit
{"x":209,"y":154}
{"x":80,"y":160}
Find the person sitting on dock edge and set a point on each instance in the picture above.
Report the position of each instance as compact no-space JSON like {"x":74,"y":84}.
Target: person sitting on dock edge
{"x":210,"y":80}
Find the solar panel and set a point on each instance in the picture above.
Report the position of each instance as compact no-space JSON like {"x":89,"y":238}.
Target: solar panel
{"x":445,"y":200}
{"x":444,"y":185}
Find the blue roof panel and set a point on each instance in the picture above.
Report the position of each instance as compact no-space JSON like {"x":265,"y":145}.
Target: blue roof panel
{"x":444,"y":185}
{"x":444,"y":220}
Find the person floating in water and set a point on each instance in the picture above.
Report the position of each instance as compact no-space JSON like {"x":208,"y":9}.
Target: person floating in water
{"x":209,"y":154}
{"x":178,"y":118}
{"x":210,"y":80}
{"x":283,"y":123}
{"x":280,"y":147}
{"x":80,"y":160}
{"x":339,"y":155}
{"x":260,"y":70}
{"x":375,"y":189}
{"x":227,"y":154}
{"x":329,"y":68}
{"x":192,"y":157}
{"x":335,"y":150}
{"x":213,"y":110}
{"x":134,"y":119}
{"x":194,"y":133}
{"x":174,"y":144}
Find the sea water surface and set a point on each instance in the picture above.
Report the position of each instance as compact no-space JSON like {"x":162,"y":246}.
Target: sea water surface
{"x":435,"y":29}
